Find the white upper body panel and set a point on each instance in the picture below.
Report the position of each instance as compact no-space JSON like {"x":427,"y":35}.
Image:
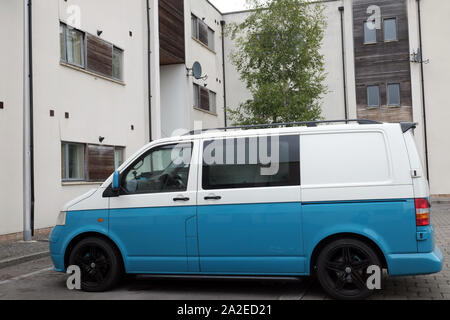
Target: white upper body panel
{"x":337,"y":163}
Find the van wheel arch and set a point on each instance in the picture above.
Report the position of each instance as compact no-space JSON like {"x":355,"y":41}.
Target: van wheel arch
{"x":82,"y":236}
{"x":338,"y":236}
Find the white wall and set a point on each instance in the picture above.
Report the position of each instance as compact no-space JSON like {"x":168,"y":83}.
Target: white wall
{"x":211,"y":62}
{"x":97,"y":107}
{"x":435,"y":34}
{"x":174,"y":98}
{"x":11,"y":117}
{"x":333,"y":100}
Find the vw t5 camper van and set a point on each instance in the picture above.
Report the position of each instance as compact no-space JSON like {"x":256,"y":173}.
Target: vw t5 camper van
{"x":328,"y":199}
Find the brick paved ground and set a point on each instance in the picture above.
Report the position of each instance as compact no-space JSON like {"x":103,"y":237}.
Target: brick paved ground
{"x":431,"y":287}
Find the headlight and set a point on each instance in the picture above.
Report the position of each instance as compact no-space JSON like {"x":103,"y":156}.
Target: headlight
{"x":61,"y":221}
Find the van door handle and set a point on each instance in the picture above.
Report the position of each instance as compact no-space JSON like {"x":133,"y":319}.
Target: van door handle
{"x":213,"y":198}
{"x":181,"y":199}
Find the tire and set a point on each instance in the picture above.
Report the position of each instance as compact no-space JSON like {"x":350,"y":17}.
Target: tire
{"x":342,"y":269}
{"x":100,"y":263}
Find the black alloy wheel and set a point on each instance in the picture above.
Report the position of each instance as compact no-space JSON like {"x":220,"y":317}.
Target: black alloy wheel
{"x":99,"y":262}
{"x":342,"y":269}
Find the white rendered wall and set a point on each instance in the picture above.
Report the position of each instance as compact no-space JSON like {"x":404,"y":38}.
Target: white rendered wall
{"x":97,"y":107}
{"x":11,"y":117}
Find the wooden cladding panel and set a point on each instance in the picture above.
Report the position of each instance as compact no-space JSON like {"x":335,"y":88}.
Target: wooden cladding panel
{"x":171,"y":31}
{"x":99,"y":56}
{"x":204,"y":98}
{"x":383,"y":62}
{"x":100,"y":164}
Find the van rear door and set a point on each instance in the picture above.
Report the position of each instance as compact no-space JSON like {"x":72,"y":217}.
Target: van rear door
{"x":425,"y":233}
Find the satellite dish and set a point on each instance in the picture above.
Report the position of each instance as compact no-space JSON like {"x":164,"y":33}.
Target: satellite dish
{"x":197,"y":70}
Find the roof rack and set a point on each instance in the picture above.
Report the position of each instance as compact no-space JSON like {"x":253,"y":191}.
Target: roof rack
{"x":308,"y":124}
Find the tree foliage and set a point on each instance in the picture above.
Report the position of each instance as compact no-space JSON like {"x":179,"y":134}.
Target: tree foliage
{"x":278,"y":57}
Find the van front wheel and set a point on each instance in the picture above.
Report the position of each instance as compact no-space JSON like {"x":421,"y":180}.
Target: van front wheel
{"x":342,"y":269}
{"x":99,"y":262}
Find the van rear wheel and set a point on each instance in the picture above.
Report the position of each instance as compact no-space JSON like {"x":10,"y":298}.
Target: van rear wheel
{"x":99,"y":262}
{"x":342,"y":269}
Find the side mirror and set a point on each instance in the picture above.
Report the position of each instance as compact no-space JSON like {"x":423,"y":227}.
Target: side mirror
{"x":116,"y":182}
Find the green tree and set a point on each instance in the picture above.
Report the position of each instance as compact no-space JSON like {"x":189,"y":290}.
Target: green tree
{"x":278,"y":57}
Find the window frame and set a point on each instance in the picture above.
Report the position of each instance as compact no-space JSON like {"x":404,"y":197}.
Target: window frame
{"x":396,"y":29}
{"x":84,"y":56}
{"x":197,"y":104}
{"x":124,"y":172}
{"x":64,"y":175}
{"x":364,"y":34}
{"x":65,"y":59}
{"x":399,"y":94}
{"x":116,"y":48}
{"x":196,"y":36}
{"x":379,"y":96}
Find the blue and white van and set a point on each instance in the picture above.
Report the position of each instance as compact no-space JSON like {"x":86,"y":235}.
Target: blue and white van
{"x":328,"y":200}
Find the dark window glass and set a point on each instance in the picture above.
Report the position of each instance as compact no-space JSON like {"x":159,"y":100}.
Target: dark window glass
{"x":164,"y":169}
{"x":251,"y":163}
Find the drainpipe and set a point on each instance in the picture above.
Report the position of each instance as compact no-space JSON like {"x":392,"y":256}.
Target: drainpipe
{"x":341,"y":10}
{"x":28,"y":183}
{"x":149,"y":71}
{"x":419,"y":14}
{"x":222,"y":23}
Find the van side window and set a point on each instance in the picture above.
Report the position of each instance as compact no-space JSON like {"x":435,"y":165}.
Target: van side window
{"x":164,"y":169}
{"x":253,"y":162}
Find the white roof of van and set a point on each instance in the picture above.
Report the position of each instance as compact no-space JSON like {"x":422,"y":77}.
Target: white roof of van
{"x":231,"y":132}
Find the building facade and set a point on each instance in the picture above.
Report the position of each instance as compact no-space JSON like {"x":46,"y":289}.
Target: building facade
{"x":108,"y":77}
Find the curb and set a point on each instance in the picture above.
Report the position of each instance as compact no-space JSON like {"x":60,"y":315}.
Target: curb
{"x":18,"y":260}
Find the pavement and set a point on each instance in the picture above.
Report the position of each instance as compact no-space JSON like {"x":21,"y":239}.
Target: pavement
{"x":15,"y":252}
{"x":26,"y":273}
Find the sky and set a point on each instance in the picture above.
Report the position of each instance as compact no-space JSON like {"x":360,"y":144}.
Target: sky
{"x":229,"y":5}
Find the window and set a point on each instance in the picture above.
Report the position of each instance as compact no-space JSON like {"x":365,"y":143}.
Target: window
{"x":91,"y":53}
{"x":202,"y":32}
{"x":164,"y":169}
{"x":204,"y":99}
{"x":390,"y":29}
{"x":211,"y":43}
{"x":196,"y":96}
{"x":393,"y":94}
{"x":118,"y":157}
{"x":251,"y":162}
{"x":89,"y":162}
{"x":212,"y":101}
{"x":72,"y":45}
{"x":194,"y":24}
{"x":117,"y":63}
{"x":72,"y":156}
{"x":370,"y":32}
{"x":373,"y":96}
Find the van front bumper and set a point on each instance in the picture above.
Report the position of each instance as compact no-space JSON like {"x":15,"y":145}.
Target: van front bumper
{"x":415,"y":263}
{"x":56,"y":249}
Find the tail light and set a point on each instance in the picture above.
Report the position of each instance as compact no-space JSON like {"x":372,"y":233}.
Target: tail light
{"x":422,"y":212}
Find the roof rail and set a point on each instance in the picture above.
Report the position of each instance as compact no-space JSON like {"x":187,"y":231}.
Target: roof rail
{"x":286,"y":124}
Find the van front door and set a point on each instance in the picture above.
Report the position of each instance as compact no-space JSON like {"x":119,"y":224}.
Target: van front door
{"x":154,"y":218}
{"x":249,"y":210}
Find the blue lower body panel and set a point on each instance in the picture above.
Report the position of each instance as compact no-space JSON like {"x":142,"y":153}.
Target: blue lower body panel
{"x":415,"y":263}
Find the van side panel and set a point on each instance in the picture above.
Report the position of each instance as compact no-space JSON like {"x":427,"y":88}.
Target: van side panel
{"x":358,"y":182}
{"x":387,"y":223}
